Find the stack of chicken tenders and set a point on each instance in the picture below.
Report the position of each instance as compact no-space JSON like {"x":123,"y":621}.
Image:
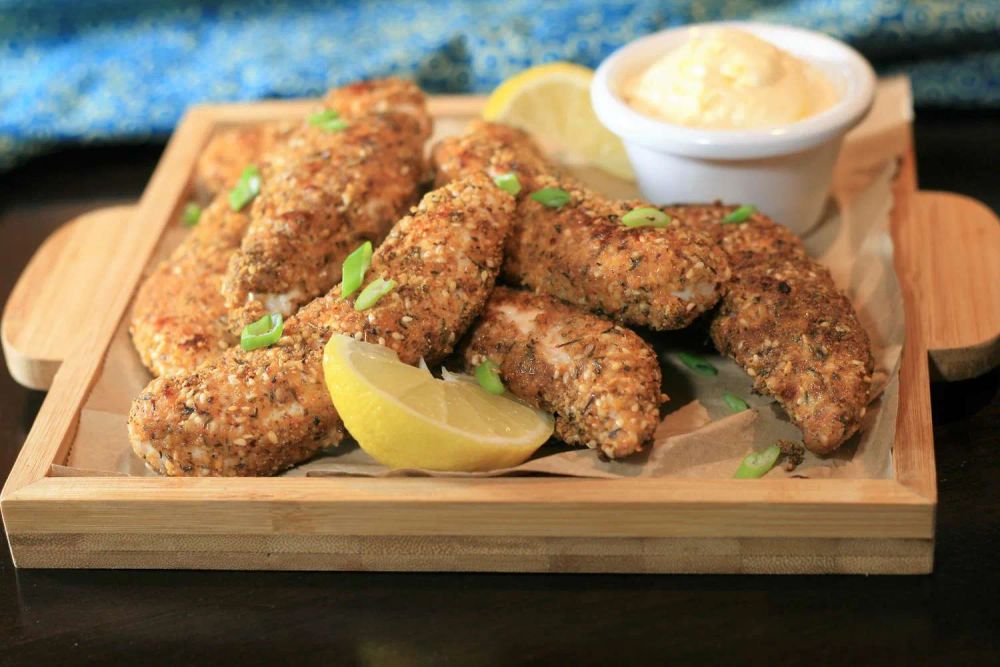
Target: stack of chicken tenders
{"x":548,"y":288}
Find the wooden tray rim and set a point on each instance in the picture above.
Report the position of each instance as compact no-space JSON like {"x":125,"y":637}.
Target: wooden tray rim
{"x":32,"y":502}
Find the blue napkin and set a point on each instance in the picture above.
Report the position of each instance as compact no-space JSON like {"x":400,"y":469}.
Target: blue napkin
{"x":114,"y":70}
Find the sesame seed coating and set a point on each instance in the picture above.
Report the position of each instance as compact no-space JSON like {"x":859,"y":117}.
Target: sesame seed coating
{"x":785,"y":322}
{"x":600,"y":379}
{"x":230,"y":150}
{"x":494,"y":148}
{"x":260,"y":412}
{"x":179,"y":317}
{"x":381,"y":96}
{"x":662,"y":278}
{"x":349,"y":187}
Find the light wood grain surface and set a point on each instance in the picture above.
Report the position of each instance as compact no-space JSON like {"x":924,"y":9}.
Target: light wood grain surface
{"x":958,"y":241}
{"x":57,"y":291}
{"x":468,"y":554}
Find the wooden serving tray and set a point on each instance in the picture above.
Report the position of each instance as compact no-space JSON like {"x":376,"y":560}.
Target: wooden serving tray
{"x":62,"y":317}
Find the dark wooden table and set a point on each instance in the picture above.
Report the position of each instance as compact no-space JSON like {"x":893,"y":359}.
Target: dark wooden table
{"x":951,"y":617}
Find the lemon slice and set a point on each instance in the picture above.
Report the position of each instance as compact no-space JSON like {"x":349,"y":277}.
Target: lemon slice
{"x":404,"y":417}
{"x":552,"y":102}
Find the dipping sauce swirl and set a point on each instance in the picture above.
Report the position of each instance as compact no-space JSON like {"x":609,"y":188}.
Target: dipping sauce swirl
{"x":729,"y":79}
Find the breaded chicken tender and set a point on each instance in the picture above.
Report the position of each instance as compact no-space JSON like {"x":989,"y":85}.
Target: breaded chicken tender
{"x":381,"y":96}
{"x":230,"y":150}
{"x":657,"y":277}
{"x":179,"y":317}
{"x":494,"y":148}
{"x":351,"y":186}
{"x":581,"y":252}
{"x":260,"y":412}
{"x":600,"y":379}
{"x":784,"y":321}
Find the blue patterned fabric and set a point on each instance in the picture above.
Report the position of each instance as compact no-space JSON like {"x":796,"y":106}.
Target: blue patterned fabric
{"x":111,"y":70}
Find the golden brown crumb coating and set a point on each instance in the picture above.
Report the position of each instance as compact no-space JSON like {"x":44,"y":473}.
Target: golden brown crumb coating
{"x":350,"y":186}
{"x":600,"y":379}
{"x":260,"y":412}
{"x":785,"y":321}
{"x":661,"y":278}
{"x":491,"y":147}
{"x":381,"y":96}
{"x":230,"y":150}
{"x":179,"y":317}
{"x":581,"y":252}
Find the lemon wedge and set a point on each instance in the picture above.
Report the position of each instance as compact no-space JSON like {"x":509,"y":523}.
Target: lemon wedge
{"x":552,"y":102}
{"x":404,"y":417}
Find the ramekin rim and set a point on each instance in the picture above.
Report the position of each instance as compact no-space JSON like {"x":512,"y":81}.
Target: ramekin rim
{"x":632,"y":126}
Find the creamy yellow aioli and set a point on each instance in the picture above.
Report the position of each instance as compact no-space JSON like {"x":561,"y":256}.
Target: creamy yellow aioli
{"x":728,"y":79}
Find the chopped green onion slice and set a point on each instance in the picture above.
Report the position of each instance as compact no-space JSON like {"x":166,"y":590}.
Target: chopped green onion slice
{"x":246,"y":189}
{"x":192,"y":212}
{"x":551,"y":197}
{"x":697,"y":364}
{"x":324,"y":116}
{"x":353,"y":270}
{"x":375,"y":290}
{"x":645,"y":216}
{"x":508,"y":183}
{"x":488,"y":377}
{"x":756,"y":464}
{"x":741,"y":214}
{"x":263,"y":333}
{"x":328,"y":120}
{"x":735,"y":403}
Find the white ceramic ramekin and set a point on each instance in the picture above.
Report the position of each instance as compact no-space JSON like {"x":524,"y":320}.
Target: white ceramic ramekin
{"x":785,"y":170}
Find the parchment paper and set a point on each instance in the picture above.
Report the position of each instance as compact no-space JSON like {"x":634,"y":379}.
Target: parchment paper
{"x":698,"y":436}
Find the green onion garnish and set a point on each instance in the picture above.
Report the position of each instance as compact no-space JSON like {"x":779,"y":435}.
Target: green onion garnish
{"x":375,"y":290}
{"x":735,"y":403}
{"x":697,"y":364}
{"x":328,"y":120}
{"x":645,"y":216}
{"x":551,"y":197}
{"x":192,"y":212}
{"x":508,"y":183}
{"x":246,"y":189}
{"x":756,"y":464}
{"x":488,"y":377}
{"x":353,"y":271}
{"x":263,"y":333}
{"x":741,"y":214}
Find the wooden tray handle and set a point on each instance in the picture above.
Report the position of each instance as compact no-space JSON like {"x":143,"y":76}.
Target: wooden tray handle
{"x":56,"y":292}
{"x":955,"y":243}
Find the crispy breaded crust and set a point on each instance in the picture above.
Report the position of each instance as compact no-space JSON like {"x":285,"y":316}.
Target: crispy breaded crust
{"x":230,"y":150}
{"x":322,"y":203}
{"x":662,"y":278}
{"x":350,"y":187}
{"x":600,"y":379}
{"x":178,"y":317}
{"x":784,"y":321}
{"x":493,"y":148}
{"x":260,"y":412}
{"x":381,"y":96}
